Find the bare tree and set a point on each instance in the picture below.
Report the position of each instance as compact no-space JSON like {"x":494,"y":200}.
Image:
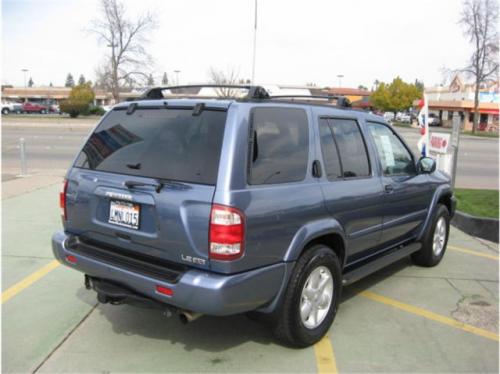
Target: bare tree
{"x":224,"y":78}
{"x":479,"y":20}
{"x":126,"y":38}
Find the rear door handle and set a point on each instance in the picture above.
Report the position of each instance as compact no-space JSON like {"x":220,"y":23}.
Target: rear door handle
{"x":389,"y":188}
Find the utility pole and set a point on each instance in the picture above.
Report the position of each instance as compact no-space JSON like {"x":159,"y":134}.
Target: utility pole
{"x":254,"y":43}
{"x":25,"y":89}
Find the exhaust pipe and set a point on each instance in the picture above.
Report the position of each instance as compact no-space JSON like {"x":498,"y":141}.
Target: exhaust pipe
{"x":186,"y":316}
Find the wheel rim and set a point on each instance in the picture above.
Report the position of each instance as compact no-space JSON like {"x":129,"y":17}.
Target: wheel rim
{"x":316,"y":297}
{"x":439,"y":236}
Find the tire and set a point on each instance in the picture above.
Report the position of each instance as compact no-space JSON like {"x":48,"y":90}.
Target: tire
{"x":5,"y":111}
{"x":435,"y":240}
{"x":290,"y":327}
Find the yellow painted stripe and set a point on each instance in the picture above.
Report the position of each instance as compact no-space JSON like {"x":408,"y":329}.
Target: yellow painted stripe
{"x":325,"y":358}
{"x":430,"y":315}
{"x":475,"y":253}
{"x":28,"y":281}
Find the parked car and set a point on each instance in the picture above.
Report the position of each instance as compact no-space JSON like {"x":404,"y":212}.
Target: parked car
{"x":54,"y":108}
{"x":389,"y":116}
{"x":34,"y":108}
{"x":257,"y":205}
{"x":8,"y":108}
{"x":405,"y":118}
{"x":434,"y":120}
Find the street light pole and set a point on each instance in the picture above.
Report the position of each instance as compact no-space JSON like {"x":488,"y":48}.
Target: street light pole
{"x":25,"y":89}
{"x":340,"y":76}
{"x":254,"y":43}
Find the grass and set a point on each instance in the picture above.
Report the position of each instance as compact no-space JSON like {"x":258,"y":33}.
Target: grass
{"x":480,"y":203}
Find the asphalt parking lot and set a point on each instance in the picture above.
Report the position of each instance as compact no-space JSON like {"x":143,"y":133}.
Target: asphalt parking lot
{"x":401,"y":319}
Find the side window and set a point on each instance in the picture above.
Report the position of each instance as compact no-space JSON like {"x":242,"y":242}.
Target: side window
{"x":351,"y":147}
{"x":394,"y":156}
{"x":329,"y":151}
{"x":279,"y":145}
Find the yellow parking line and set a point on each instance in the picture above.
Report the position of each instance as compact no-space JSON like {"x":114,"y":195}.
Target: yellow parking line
{"x":430,"y":315}
{"x":325,"y":358}
{"x":475,"y":253}
{"x":28,"y":281}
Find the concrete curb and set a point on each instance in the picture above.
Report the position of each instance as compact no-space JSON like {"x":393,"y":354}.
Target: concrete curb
{"x":484,"y":228}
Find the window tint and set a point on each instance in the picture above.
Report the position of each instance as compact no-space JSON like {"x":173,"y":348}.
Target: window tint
{"x":351,"y":147}
{"x":279,"y":145}
{"x":157,"y":143}
{"x":394,"y":156}
{"x":329,"y":151}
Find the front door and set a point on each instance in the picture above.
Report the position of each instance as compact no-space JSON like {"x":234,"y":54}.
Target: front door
{"x":406,"y":193}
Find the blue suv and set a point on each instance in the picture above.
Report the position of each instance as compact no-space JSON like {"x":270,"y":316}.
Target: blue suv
{"x":246,"y":203}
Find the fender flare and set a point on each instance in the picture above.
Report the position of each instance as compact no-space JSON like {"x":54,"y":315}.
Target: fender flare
{"x":310,"y":231}
{"x":440,"y":191}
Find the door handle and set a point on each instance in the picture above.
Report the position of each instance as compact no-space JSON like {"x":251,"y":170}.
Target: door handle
{"x":389,"y":188}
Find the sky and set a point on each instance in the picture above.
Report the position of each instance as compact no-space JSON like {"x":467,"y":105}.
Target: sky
{"x":297,"y":41}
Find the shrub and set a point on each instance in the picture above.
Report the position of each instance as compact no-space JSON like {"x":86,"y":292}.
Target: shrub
{"x":79,"y":100}
{"x":73,"y":108}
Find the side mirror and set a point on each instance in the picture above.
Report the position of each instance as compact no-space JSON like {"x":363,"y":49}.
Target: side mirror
{"x":426,"y":165}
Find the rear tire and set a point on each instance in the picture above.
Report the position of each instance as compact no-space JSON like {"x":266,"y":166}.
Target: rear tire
{"x":435,"y":240}
{"x":311,"y":299}
{"x":5,"y":111}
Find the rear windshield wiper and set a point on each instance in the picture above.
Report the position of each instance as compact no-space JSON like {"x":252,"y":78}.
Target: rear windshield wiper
{"x":158,"y":185}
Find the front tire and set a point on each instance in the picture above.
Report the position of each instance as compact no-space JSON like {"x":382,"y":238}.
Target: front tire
{"x":311,"y":299}
{"x":5,"y":111}
{"x":435,"y":240}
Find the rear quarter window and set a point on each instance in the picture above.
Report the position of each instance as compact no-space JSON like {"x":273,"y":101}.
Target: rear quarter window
{"x":158,"y":143}
{"x":279,"y":145}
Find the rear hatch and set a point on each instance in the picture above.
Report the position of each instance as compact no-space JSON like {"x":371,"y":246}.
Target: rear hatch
{"x":144,"y":182}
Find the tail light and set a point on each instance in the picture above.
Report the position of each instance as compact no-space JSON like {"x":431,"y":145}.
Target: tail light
{"x":227,"y":233}
{"x":62,"y":200}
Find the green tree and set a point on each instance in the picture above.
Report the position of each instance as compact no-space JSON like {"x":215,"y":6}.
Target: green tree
{"x":79,"y":100}
{"x":396,"y":96}
{"x":361,"y":87}
{"x":81,"y":80}
{"x":419,"y":85}
{"x":164,"y":80}
{"x":70,"y":82}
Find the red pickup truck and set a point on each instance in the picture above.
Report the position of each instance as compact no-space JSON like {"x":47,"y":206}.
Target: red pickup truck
{"x":34,"y":108}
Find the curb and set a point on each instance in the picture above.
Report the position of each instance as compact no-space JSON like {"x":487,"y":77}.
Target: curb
{"x":484,"y":228}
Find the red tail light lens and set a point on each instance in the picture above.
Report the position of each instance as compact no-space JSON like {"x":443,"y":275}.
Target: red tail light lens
{"x":62,"y":200}
{"x":227,"y":233}
{"x":164,"y":290}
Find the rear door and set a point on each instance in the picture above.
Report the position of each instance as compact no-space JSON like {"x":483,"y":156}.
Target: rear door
{"x":352,"y":192}
{"x":144,"y":181}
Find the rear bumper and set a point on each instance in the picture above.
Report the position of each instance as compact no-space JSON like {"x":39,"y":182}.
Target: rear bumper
{"x":196,"y":290}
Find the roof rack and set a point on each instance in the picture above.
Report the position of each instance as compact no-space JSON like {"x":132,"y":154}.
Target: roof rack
{"x":341,"y":101}
{"x":254,"y":92}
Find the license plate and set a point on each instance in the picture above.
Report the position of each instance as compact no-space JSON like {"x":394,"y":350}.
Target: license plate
{"x":124,"y":214}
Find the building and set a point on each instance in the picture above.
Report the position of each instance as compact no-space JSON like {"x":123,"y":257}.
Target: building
{"x":54,"y":95}
{"x":459,"y":97}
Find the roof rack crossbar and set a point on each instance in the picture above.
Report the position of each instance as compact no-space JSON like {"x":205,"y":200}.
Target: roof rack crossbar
{"x":254,"y":92}
{"x":342,"y":101}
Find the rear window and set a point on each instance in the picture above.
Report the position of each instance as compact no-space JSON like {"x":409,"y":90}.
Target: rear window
{"x":157,"y":143}
{"x":279,"y":145}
